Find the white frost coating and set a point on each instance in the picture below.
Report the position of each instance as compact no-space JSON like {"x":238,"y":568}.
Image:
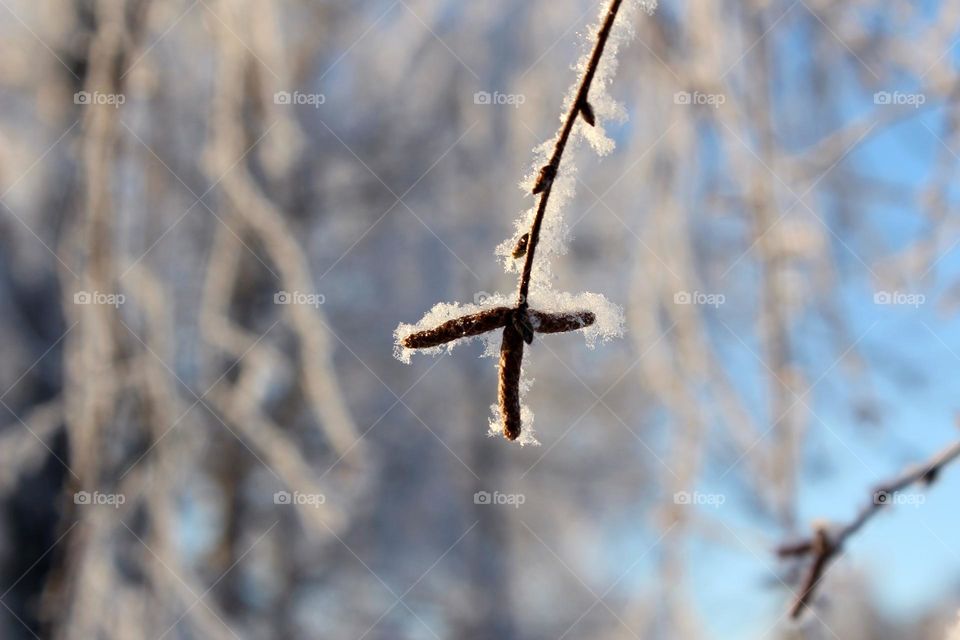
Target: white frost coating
{"x":608,"y":323}
{"x":554,"y":231}
{"x":604,"y":106}
{"x":527,"y":434}
{"x":609,"y":316}
{"x":440,"y":313}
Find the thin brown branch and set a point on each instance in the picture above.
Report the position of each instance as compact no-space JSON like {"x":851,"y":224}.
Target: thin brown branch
{"x":825,"y":546}
{"x":520,"y":323}
{"x":462,"y":327}
{"x":508,"y":392}
{"x":544,"y":184}
{"x":560,"y":322}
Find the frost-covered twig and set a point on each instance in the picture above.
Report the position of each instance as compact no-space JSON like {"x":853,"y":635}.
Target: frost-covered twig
{"x":825,"y":545}
{"x":544,"y":184}
{"x":553,"y":313}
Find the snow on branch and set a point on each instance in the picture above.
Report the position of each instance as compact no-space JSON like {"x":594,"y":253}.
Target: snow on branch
{"x":537,"y":307}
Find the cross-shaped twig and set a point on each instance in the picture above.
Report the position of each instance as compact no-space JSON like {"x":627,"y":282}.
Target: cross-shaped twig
{"x":825,"y":546}
{"x":519,"y":323}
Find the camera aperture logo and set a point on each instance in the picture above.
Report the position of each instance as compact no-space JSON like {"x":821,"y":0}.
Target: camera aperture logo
{"x":86,"y":98}
{"x":696,"y":297}
{"x":98,"y":297}
{"x":512,"y":499}
{"x":299,"y":297}
{"x":86,"y":498}
{"x":714,"y":500}
{"x":496,"y":98}
{"x":299,"y":98}
{"x":297,"y":498}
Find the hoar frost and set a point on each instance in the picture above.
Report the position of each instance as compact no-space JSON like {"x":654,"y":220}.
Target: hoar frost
{"x":554,"y":232}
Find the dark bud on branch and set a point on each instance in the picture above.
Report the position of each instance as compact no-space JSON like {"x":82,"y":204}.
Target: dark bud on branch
{"x":545,"y":178}
{"x":586,"y":110}
{"x":508,"y":392}
{"x":560,"y":322}
{"x":521,"y":322}
{"x":462,"y":327}
{"x":521,"y":249}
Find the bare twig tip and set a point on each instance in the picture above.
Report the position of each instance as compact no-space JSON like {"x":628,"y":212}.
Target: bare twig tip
{"x":561,"y":322}
{"x":508,"y":392}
